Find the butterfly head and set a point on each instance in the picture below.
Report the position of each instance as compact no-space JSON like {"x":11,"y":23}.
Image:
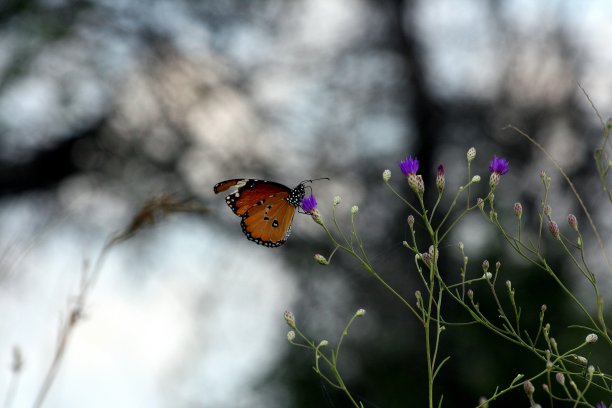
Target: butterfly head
{"x":300,"y":192}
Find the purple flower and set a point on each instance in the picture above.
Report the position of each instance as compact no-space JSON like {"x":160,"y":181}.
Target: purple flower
{"x":498,"y":165}
{"x":309,"y":204}
{"x":600,"y":405}
{"x":409,"y":166}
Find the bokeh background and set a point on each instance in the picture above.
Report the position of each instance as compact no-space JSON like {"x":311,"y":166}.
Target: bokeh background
{"x":104,"y":104}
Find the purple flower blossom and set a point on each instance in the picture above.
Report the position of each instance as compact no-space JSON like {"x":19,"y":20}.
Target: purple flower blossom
{"x":498,"y":165}
{"x":600,"y":405}
{"x":409,"y":166}
{"x":309,"y":204}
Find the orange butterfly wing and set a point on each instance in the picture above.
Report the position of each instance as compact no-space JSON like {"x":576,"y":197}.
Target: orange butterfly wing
{"x":249,"y":193}
{"x":269,"y":222}
{"x":266,"y":208}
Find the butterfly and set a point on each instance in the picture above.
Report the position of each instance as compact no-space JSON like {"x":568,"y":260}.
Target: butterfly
{"x":266,"y":208}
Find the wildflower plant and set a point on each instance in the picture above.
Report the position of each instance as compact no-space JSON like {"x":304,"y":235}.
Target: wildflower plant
{"x":566,"y":375}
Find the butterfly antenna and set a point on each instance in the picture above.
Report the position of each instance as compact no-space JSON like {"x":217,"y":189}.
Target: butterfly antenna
{"x":310,"y":181}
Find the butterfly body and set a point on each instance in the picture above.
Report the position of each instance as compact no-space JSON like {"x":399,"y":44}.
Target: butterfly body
{"x":266,"y":208}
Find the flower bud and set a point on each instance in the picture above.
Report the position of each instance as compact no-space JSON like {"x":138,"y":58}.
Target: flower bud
{"x":321,"y":259}
{"x":426,"y":257}
{"x":543,"y":308}
{"x":497,"y":266}
{"x":518,"y":210}
{"x":290,"y":318}
{"x":354,"y":209}
{"x":509,"y":285}
{"x":290,"y":335}
{"x":485,"y":265}
{"x":573,"y":222}
{"x":411,"y":221}
{"x":323,"y":343}
{"x":554,"y":229}
{"x":433,"y":253}
{"x":461,"y":246}
{"x":543,"y":176}
{"x":560,"y":378}
{"x":471,"y":154}
{"x":547,"y":210}
{"x":582,"y":360}
{"x":360,"y":312}
{"x":420,"y":185}
{"x":316,"y":216}
{"x":337,"y":200}
{"x":470,"y":294}
{"x":440,"y":179}
{"x":476,"y":179}
{"x":528,"y":387}
{"x":591,"y":338}
{"x":480,"y":203}
{"x":494,"y":180}
{"x":487,"y":275}
{"x":386,"y":175}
